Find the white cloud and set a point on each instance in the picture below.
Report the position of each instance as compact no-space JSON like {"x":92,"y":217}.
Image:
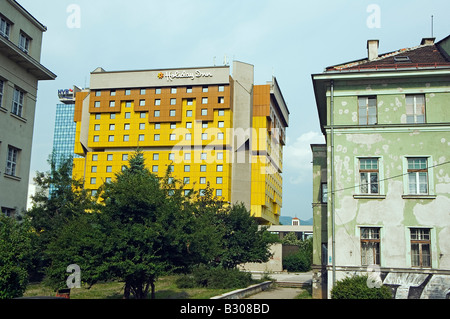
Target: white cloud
{"x":298,"y":157}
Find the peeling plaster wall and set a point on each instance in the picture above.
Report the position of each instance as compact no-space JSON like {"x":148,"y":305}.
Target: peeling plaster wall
{"x":391,"y":140}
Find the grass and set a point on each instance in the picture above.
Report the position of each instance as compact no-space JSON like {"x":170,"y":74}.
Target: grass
{"x":165,"y":288}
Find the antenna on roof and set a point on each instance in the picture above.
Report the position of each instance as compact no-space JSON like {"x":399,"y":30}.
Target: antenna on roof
{"x":431,"y":25}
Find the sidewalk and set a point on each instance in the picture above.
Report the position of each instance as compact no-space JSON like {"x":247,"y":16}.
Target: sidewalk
{"x":286,"y":279}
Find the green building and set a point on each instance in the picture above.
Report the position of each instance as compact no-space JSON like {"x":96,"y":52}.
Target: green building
{"x":381,"y":199}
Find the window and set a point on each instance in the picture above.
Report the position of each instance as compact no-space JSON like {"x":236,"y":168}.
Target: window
{"x":11,"y":161}
{"x":126,"y":126}
{"x":220,"y":124}
{"x":1,"y":92}
{"x":24,"y":42}
{"x":155,"y":168}
{"x":188,"y":124}
{"x":324,"y":193}
{"x":97,"y":104}
{"x":368,"y":171}
{"x":155,"y":156}
{"x":172,"y":137}
{"x":173,"y":90}
{"x":219,"y":168}
{"x":93,"y":169}
{"x":142,"y":115}
{"x":97,"y":127}
{"x":112,"y":92}
{"x":367,"y":107}
{"x":220,"y":136}
{"x":141,"y":137}
{"x":109,"y":157}
{"x":190,"y":102}
{"x":127,"y":115}
{"x":204,"y":100}
{"x":112,"y":127}
{"x":141,"y":102}
{"x":204,"y":136}
{"x":189,"y":89}
{"x":219,"y":180}
{"x":420,"y":247}
{"x":202,"y":180}
{"x":220,"y":100}
{"x":98,"y":93}
{"x":171,"y":156}
{"x":156,"y":113}
{"x":173,"y":101}
{"x":157,"y":126}
{"x":202,"y":168}
{"x":186,"y":192}
{"x":203,"y":156}
{"x":93,"y":180}
{"x":186,"y":180}
{"x":204,"y":111}
{"x":170,"y":168}
{"x":218,"y":192}
{"x":111,"y":138}
{"x":127,"y":92}
{"x":158,"y":91}
{"x":128,"y":103}
{"x":172,"y":113}
{"x":17,"y":104}
{"x":142,"y":92}
{"x":124,"y":157}
{"x":370,"y":246}
{"x":221,"y":88}
{"x":157,"y":102}
{"x":415,"y":108}
{"x":187,"y":168}
{"x":112,"y":116}
{"x":221,"y":112}
{"x":5,"y":27}
{"x":108,"y":169}
{"x":156,"y":137}
{"x":142,"y":126}
{"x":188,"y":136}
{"x":96,"y":138}
{"x":417,"y":175}
{"x":187,"y":156}
{"x":189,"y":113}
{"x":94,"y":157}
{"x":204,"y":124}
{"x":111,"y":103}
{"x":204,"y":89}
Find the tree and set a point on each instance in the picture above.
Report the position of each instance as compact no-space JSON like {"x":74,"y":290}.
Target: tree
{"x":356,"y":287}
{"x":58,"y":199}
{"x":132,"y":203}
{"x":15,"y":256}
{"x":243,"y":240}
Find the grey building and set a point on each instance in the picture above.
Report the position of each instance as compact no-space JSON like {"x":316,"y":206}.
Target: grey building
{"x":20,"y":72}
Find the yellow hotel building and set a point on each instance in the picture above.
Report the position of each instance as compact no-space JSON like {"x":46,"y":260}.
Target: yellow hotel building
{"x":209,"y":126}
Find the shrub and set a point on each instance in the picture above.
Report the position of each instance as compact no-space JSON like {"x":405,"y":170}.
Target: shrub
{"x":298,"y":262}
{"x":215,"y":278}
{"x":356,"y":287}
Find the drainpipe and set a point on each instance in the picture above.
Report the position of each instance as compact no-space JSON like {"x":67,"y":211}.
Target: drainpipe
{"x":333,"y":231}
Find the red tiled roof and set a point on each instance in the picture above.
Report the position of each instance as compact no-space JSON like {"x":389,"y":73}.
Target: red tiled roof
{"x":423,"y":56}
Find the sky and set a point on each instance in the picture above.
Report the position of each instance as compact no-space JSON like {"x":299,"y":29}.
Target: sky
{"x":288,"y":39}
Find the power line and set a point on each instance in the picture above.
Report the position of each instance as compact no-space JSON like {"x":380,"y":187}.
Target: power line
{"x":384,"y":179}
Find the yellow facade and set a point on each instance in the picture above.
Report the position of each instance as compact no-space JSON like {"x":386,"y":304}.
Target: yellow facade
{"x":188,"y":127}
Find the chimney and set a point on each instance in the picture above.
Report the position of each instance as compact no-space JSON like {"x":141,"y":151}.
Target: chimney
{"x":427,"y":41}
{"x":372,"y":49}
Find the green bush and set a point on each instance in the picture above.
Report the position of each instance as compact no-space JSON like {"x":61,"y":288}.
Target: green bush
{"x":301,"y":260}
{"x":356,"y":288}
{"x":215,"y":278}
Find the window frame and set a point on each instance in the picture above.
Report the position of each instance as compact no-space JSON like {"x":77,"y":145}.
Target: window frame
{"x":370,"y":242}
{"x":12,"y":161}
{"x":421,"y":243}
{"x":370,"y":172}
{"x":17,"y":106}
{"x":414,"y":114}
{"x":367,"y":109}
{"x":417,"y":172}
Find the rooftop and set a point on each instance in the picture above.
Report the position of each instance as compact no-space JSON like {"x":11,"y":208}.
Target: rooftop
{"x":426,"y":55}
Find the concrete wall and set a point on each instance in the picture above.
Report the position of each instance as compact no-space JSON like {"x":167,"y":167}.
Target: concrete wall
{"x":275,"y":264}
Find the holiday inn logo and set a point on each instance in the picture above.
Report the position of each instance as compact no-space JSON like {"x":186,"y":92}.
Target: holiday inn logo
{"x":173,"y":75}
